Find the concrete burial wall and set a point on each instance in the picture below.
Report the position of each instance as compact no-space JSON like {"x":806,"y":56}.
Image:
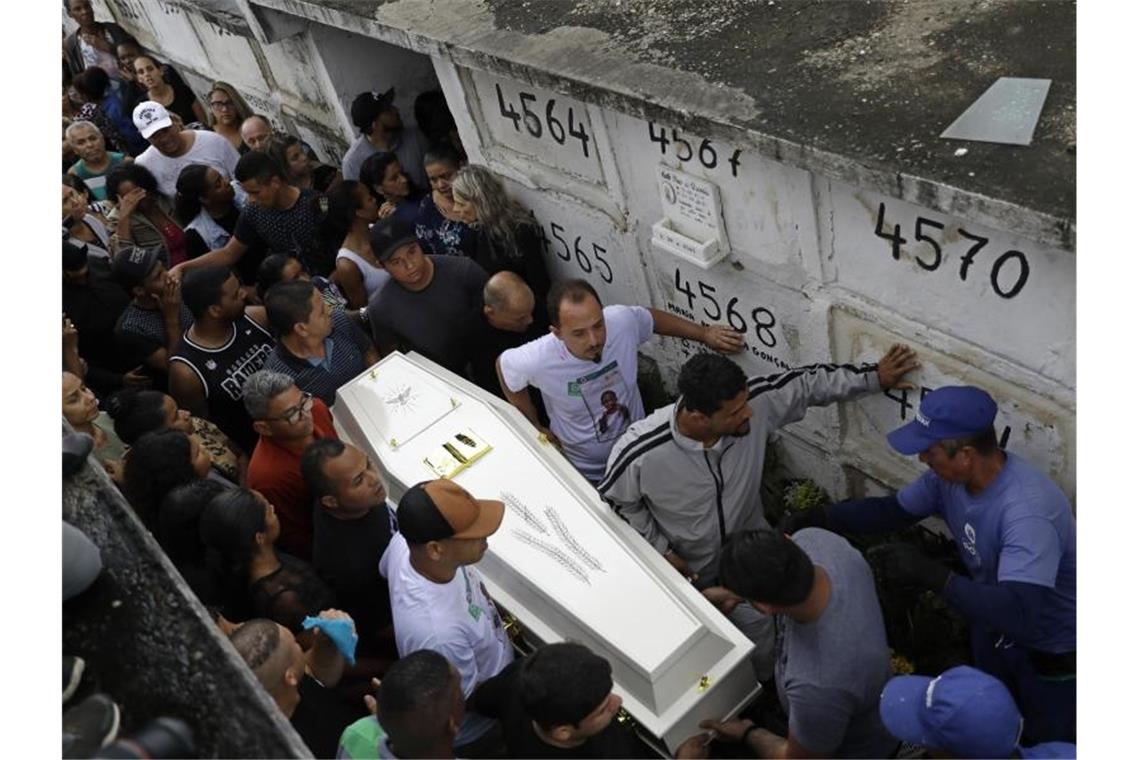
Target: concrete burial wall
{"x":152,"y":646}
{"x":831,"y":257}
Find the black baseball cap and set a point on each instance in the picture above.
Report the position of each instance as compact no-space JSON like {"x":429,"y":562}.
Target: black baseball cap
{"x":132,"y":265}
{"x":389,"y":235}
{"x":368,"y":105}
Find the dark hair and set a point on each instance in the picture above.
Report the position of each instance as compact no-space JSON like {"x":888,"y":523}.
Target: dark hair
{"x":288,"y":303}
{"x":202,"y":288}
{"x":767,"y":567}
{"x":74,"y":257}
{"x":560,"y":684}
{"x":228,"y":526}
{"x":984,"y":442}
{"x":279,"y":148}
{"x":131,"y":172}
{"x":372,"y":173}
{"x":178,"y":518}
{"x":708,"y":380}
{"x":76,"y":183}
{"x":136,"y":413}
{"x":442,"y":154}
{"x":256,"y":641}
{"x":270,"y":270}
{"x":258,"y":166}
{"x":157,"y":63}
{"x":433,"y":115}
{"x":158,"y":462}
{"x":91,"y":83}
{"x":313,"y":462}
{"x":190,"y":188}
{"x":342,"y":206}
{"x":413,"y":702}
{"x":574,"y":291}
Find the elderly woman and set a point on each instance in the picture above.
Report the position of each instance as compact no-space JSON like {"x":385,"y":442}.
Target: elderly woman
{"x":82,"y":227}
{"x":94,"y":158}
{"x":81,"y":409}
{"x":181,"y":100}
{"x":228,"y":110}
{"x":240,"y":529}
{"x":142,"y":216}
{"x":508,"y":237}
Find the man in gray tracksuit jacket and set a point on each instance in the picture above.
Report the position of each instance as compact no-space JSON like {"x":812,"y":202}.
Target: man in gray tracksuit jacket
{"x":688,"y":475}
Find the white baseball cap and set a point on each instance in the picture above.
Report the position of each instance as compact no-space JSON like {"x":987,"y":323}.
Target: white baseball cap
{"x":150,"y":117}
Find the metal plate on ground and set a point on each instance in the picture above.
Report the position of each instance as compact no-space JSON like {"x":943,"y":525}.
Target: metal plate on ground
{"x":1006,"y":113}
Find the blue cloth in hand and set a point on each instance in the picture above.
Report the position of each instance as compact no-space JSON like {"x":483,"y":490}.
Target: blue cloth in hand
{"x":341,"y":633}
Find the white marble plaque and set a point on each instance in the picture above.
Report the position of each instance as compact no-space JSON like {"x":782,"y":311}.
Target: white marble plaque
{"x":401,"y":406}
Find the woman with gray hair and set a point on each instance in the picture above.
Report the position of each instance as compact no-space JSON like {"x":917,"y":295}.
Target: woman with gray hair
{"x":508,"y":235}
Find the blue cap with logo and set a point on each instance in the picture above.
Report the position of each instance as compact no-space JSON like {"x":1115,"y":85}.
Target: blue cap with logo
{"x":952,"y":411}
{"x":964,"y":711}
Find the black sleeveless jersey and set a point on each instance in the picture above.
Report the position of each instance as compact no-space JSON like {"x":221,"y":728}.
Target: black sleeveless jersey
{"x":224,"y":370}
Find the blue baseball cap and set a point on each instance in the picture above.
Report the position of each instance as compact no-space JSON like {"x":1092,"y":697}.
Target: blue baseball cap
{"x":964,"y":711}
{"x":952,"y":411}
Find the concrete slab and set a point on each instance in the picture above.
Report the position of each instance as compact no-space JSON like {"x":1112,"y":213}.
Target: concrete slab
{"x":855,"y":90}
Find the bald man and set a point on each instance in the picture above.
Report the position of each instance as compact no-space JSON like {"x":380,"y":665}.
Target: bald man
{"x":299,"y":682}
{"x":257,"y":133}
{"x":509,"y":320}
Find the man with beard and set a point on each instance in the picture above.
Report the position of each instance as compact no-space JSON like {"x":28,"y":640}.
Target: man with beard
{"x":688,"y":475}
{"x":591,"y":354}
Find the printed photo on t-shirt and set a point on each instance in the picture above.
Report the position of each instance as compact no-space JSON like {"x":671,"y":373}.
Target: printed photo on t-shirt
{"x":602,"y":392}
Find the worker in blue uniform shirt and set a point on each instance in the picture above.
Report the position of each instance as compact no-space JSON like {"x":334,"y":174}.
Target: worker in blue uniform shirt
{"x":1016,"y":534}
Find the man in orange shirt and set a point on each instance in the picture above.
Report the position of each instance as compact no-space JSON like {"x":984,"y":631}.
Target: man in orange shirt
{"x":286,"y":421}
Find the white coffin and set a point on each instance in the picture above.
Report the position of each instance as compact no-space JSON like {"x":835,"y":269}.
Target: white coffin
{"x":562,"y":562}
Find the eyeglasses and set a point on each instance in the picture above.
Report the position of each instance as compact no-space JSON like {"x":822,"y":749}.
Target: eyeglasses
{"x":293,"y":414}
{"x":218,"y":105}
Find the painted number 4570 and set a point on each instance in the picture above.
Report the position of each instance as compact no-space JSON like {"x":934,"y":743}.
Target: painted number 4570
{"x":1010,"y":261}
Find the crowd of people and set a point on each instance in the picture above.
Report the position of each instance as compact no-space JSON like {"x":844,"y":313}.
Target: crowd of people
{"x":220,"y":284}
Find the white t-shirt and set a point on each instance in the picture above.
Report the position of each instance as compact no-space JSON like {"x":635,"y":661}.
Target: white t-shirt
{"x":590,"y":404}
{"x":455,"y":619}
{"x":208,"y":148}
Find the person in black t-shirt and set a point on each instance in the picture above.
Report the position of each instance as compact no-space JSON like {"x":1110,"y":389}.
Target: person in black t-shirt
{"x":351,"y":529}
{"x":281,"y":217}
{"x":93,"y":301}
{"x":508,"y":322}
{"x":227,"y":343}
{"x":558,"y":702}
{"x":300,"y":682}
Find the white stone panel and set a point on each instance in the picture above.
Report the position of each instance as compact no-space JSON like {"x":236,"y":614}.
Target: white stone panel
{"x":1004,"y":294}
{"x":767,"y":207}
{"x":1037,"y":425}
{"x":538,"y":124}
{"x":230,"y":55}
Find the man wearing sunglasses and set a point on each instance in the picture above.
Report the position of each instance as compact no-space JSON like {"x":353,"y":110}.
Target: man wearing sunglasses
{"x":286,"y":421}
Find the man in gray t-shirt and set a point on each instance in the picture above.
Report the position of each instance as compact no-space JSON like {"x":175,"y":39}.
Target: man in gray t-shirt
{"x":431,"y":304}
{"x":831,"y":648}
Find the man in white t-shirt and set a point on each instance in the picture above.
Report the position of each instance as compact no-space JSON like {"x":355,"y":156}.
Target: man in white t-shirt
{"x":438,"y":602}
{"x":586,"y":369}
{"x":173,"y":148}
